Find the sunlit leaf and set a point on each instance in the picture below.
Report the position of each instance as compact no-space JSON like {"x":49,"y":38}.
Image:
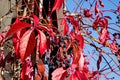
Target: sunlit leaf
{"x":57,"y":73}
{"x":42,"y":42}
{"x":57,"y":5}
{"x":81,"y":61}
{"x":66,"y":27}
{"x":16,"y":41}
{"x":104,"y":36}
{"x":18,"y":25}
{"x":35,"y":20}
{"x":27,"y":44}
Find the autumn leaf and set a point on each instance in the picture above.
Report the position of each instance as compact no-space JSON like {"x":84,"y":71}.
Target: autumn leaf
{"x":24,"y":68}
{"x":57,"y":73}
{"x":27,"y":44}
{"x":87,"y":13}
{"x":37,"y":77}
{"x":113,"y":46}
{"x":16,"y":40}
{"x":27,"y":70}
{"x":103,"y":22}
{"x":47,"y":29}
{"x":18,"y":25}
{"x":101,"y":3}
{"x":96,"y":8}
{"x":99,"y":60}
{"x":35,"y":20}
{"x":66,"y":27}
{"x":42,"y":42}
{"x":74,"y":77}
{"x":41,"y":67}
{"x":81,"y":61}
{"x":104,"y":36}
{"x":64,"y":75}
{"x":57,"y":5}
{"x":80,"y":40}
{"x":73,"y":22}
{"x":77,"y":54}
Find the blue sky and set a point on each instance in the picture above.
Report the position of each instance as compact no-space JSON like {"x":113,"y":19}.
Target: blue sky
{"x":108,"y":5}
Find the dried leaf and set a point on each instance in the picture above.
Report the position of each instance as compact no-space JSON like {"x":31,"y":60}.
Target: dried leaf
{"x":27,"y":44}
{"x":41,"y":67}
{"x":76,"y":52}
{"x":37,"y":77}
{"x":18,"y":25}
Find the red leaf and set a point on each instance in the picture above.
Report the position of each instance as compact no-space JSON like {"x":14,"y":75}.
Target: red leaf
{"x":64,"y":75}
{"x":108,"y":17}
{"x":96,"y":8}
{"x":27,"y":44}
{"x":87,"y":13}
{"x":104,"y":36}
{"x":2,"y":56}
{"x":2,"y":36}
{"x":74,"y":77}
{"x":81,"y":41}
{"x":16,"y":40}
{"x":73,"y":22}
{"x":42,"y":43}
{"x":113,"y":47}
{"x":101,"y":3}
{"x":103,"y":22}
{"x":24,"y":68}
{"x":47,"y":29}
{"x":76,"y":52}
{"x":35,"y":20}
{"x":18,"y":25}
{"x":81,"y":75}
{"x":66,"y":27}
{"x":27,"y":70}
{"x":81,"y":61}
{"x":99,"y":60}
{"x":57,"y":4}
{"x":72,"y":34}
{"x":57,"y":73}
